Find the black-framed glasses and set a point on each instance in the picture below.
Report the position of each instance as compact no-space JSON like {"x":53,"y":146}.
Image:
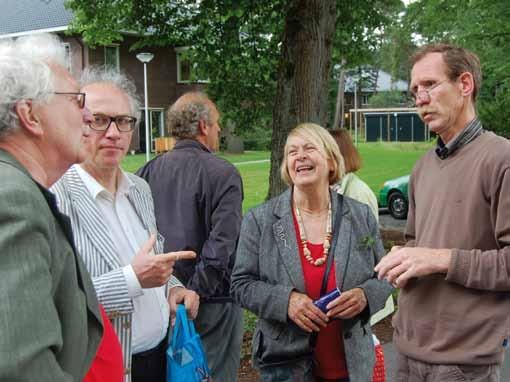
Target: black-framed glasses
{"x":80,"y":97}
{"x":102,"y":122}
{"x":424,"y":94}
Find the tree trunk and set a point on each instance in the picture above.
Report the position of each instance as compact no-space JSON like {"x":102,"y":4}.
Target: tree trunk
{"x":303,"y":75}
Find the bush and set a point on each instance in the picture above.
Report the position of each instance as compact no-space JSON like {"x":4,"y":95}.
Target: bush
{"x":257,"y":144}
{"x":387,"y":99}
{"x":257,"y":138}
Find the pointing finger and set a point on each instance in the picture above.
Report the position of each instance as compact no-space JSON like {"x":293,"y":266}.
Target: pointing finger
{"x":179,"y":255}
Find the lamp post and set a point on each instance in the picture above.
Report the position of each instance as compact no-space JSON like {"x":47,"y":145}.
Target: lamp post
{"x":145,"y":58}
{"x":355,"y":114}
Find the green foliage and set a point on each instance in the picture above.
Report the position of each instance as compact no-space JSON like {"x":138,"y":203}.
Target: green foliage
{"x":359,"y":27}
{"x":233,"y":43}
{"x":250,"y":320}
{"x":391,"y":98}
{"x":259,"y":138}
{"x":396,"y":48}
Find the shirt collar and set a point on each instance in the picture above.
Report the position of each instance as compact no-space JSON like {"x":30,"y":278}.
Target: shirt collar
{"x":95,"y":188}
{"x":468,"y":134}
{"x":184,"y":143}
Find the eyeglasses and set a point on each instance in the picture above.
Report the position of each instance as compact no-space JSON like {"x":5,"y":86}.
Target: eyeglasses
{"x":80,"y":98}
{"x":424,"y":94}
{"x":102,"y":122}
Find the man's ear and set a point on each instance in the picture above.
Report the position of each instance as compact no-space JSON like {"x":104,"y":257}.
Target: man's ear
{"x":467,"y":84}
{"x":202,"y":128}
{"x":28,"y":118}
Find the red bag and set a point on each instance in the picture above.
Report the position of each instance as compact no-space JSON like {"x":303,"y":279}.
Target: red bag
{"x":379,"y":371}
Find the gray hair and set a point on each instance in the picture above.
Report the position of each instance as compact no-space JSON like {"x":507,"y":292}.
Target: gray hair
{"x":25,"y":73}
{"x":186,"y":112}
{"x":104,"y":74}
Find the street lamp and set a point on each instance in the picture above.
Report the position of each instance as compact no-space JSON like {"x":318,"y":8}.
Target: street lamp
{"x":145,"y":58}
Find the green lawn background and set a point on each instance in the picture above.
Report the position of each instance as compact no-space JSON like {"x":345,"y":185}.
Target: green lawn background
{"x":381,"y":161}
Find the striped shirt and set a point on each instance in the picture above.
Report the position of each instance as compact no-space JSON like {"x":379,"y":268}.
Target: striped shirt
{"x":151,"y":309}
{"x":470,"y":132}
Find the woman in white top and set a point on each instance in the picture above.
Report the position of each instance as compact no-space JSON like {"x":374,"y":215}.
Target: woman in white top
{"x":351,"y":185}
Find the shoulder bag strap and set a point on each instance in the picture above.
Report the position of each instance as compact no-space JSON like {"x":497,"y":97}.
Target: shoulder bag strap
{"x":336,"y":231}
{"x":329,"y":263}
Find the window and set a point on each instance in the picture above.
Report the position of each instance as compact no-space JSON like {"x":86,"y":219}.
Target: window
{"x":364,"y":99}
{"x":185,"y":67}
{"x":111,"y":57}
{"x":157,"y":124}
{"x":67,"y":56}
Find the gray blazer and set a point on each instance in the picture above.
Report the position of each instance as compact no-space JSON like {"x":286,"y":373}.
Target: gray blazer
{"x":99,"y":253}
{"x":268,"y":269}
{"x":50,"y":324}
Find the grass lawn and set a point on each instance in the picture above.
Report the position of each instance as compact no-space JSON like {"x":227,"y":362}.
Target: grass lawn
{"x":381,"y":161}
{"x":131,"y":163}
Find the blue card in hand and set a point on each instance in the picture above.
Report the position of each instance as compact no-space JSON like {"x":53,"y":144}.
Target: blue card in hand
{"x":322,"y":302}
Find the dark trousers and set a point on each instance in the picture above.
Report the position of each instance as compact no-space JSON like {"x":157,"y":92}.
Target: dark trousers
{"x":411,"y":370}
{"x":150,"y":365}
{"x":301,"y":371}
{"x":221,"y":331}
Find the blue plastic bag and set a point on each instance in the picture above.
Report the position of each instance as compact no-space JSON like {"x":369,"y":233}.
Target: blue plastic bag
{"x":186,"y":360}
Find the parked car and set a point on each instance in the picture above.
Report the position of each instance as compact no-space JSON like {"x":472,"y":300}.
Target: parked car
{"x":393,"y":195}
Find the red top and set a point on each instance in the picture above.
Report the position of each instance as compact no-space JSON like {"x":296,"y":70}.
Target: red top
{"x":107,"y":366}
{"x":329,"y":349}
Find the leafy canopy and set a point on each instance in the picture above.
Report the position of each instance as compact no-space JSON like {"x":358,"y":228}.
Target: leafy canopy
{"x":235,"y":44}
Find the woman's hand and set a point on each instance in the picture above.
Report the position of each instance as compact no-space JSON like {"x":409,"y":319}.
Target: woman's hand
{"x":305,"y":314}
{"x":348,"y":305}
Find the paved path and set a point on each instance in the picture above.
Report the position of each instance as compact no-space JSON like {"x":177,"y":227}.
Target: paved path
{"x":250,"y":162}
{"x":390,"y":364}
{"x":386,"y":221}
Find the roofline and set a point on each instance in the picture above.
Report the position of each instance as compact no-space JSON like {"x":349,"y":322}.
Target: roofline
{"x":385,"y":109}
{"x":56,"y":29}
{"x":35,"y":31}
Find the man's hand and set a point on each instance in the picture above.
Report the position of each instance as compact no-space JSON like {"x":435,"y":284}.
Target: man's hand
{"x":348,"y":304}
{"x":403,"y":263}
{"x":305,"y":314}
{"x":188,"y":297}
{"x":155,"y":270}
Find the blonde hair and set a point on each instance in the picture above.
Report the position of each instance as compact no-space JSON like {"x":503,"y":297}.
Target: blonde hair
{"x":324,"y":142}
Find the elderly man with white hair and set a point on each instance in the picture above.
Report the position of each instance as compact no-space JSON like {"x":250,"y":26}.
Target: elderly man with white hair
{"x":50,"y":323}
{"x":112,"y":215}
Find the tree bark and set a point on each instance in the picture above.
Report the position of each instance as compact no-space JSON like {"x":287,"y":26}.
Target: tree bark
{"x":303,"y":75}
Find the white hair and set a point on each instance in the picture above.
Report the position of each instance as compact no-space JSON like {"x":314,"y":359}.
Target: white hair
{"x":106,"y":75}
{"x":25,"y":73}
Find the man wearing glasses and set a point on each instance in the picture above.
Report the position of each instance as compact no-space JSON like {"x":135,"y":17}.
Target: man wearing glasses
{"x":112,"y":214}
{"x":453,"y":317}
{"x":50,"y":324}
